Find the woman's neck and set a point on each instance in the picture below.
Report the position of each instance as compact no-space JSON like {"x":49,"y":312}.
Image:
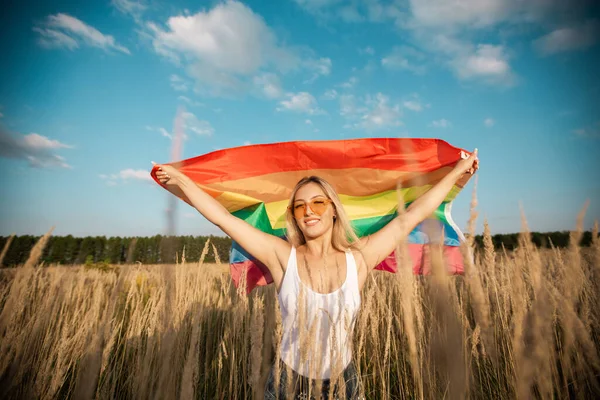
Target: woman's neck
{"x":320,"y":246}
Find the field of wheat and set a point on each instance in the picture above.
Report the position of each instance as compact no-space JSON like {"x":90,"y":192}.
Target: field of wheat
{"x":523,"y":324}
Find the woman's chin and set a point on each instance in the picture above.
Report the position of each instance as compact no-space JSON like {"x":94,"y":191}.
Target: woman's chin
{"x":313,"y":232}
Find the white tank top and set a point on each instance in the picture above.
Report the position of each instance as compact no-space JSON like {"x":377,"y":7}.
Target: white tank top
{"x":317,"y":328}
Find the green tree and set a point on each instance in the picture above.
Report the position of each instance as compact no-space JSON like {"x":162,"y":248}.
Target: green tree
{"x":86,"y":249}
{"x":114,"y":250}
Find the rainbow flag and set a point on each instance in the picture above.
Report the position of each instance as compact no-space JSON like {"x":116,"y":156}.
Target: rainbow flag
{"x":255,"y":182}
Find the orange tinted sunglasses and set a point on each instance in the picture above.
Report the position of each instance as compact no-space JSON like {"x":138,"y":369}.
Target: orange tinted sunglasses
{"x":318,"y":205}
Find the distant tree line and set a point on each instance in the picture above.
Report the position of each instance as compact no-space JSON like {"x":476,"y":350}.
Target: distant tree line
{"x":69,"y":250}
{"x":510,"y":241}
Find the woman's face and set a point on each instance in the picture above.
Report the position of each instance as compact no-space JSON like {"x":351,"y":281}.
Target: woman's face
{"x":311,"y":223}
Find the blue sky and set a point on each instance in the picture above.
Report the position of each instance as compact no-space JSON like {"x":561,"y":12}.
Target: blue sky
{"x":90,"y":92}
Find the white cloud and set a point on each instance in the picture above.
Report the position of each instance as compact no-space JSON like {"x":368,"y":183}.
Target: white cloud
{"x":39,"y":151}
{"x":178,"y":83}
{"x":330,"y":94}
{"x":130,"y":7}
{"x":348,"y":105}
{"x":569,"y":38}
{"x":484,"y":13}
{"x":316,"y":4}
{"x":436,"y":13}
{"x":441,"y":123}
{"x":320,"y":67}
{"x":486,"y":62}
{"x":63,"y":30}
{"x":350,"y":13}
{"x":489,"y":122}
{"x":160,"y":130}
{"x":39,"y":142}
{"x":191,"y":102}
{"x":367,"y":50}
{"x":225,"y":47}
{"x":199,"y":127}
{"x":308,"y":122}
{"x":381,"y":114}
{"x":135,"y":174}
{"x":371,"y":113}
{"x":50,"y":38}
{"x":413,"y":105}
{"x":350,"y":83}
{"x":356,"y":11}
{"x":302,"y":102}
{"x":127,"y":175}
{"x":269,"y":84}
{"x":406,"y":58}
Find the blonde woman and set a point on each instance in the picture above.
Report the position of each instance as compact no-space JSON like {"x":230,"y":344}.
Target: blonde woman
{"x":319,"y":273}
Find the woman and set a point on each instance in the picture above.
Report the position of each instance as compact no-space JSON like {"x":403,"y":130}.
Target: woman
{"x":318,"y":273}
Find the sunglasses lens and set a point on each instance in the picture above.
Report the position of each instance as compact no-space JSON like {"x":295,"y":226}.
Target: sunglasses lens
{"x":299,"y":210}
{"x":318,"y":206}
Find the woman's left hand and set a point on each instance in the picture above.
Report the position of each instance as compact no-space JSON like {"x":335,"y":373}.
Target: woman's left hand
{"x":468,"y":165}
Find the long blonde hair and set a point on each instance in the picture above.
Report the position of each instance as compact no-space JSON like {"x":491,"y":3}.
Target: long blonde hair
{"x":343,"y":236}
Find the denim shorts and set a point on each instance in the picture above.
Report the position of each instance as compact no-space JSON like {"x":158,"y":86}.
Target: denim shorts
{"x":303,"y":388}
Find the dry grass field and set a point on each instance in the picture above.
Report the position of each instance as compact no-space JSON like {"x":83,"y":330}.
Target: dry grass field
{"x":517,"y":325}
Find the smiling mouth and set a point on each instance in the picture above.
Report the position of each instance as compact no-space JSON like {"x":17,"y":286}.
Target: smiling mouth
{"x":311,"y":222}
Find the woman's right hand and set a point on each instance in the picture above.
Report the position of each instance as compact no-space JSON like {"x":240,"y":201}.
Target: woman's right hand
{"x":167,"y":175}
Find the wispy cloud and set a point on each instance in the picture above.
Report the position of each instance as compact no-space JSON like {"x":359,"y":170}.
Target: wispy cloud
{"x":191,"y":102}
{"x":130,"y":7}
{"x":223,"y":49}
{"x":405,"y":58}
{"x":320,"y":67}
{"x":414,"y":103}
{"x":441,"y":123}
{"x":477,"y":14}
{"x":63,"y":30}
{"x":160,"y":130}
{"x":367,"y":50}
{"x":330,"y":94}
{"x":126,"y":176}
{"x":199,"y":127}
{"x":178,"y":83}
{"x":39,"y":151}
{"x":373,"y":112}
{"x":302,"y":102}
{"x":269,"y":84}
{"x":350,"y":83}
{"x":449,"y":33}
{"x":489,"y":122}
{"x":569,"y":38}
{"x":485,"y":62}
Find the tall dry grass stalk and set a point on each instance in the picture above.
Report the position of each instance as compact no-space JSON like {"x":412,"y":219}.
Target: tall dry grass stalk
{"x":522,"y":324}
{"x":5,"y":249}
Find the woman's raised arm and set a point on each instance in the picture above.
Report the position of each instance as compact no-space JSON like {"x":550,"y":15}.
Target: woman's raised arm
{"x":381,"y":244}
{"x":270,"y":250}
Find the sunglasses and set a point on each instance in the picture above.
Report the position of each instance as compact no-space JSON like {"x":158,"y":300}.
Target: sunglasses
{"x":318,"y":206}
